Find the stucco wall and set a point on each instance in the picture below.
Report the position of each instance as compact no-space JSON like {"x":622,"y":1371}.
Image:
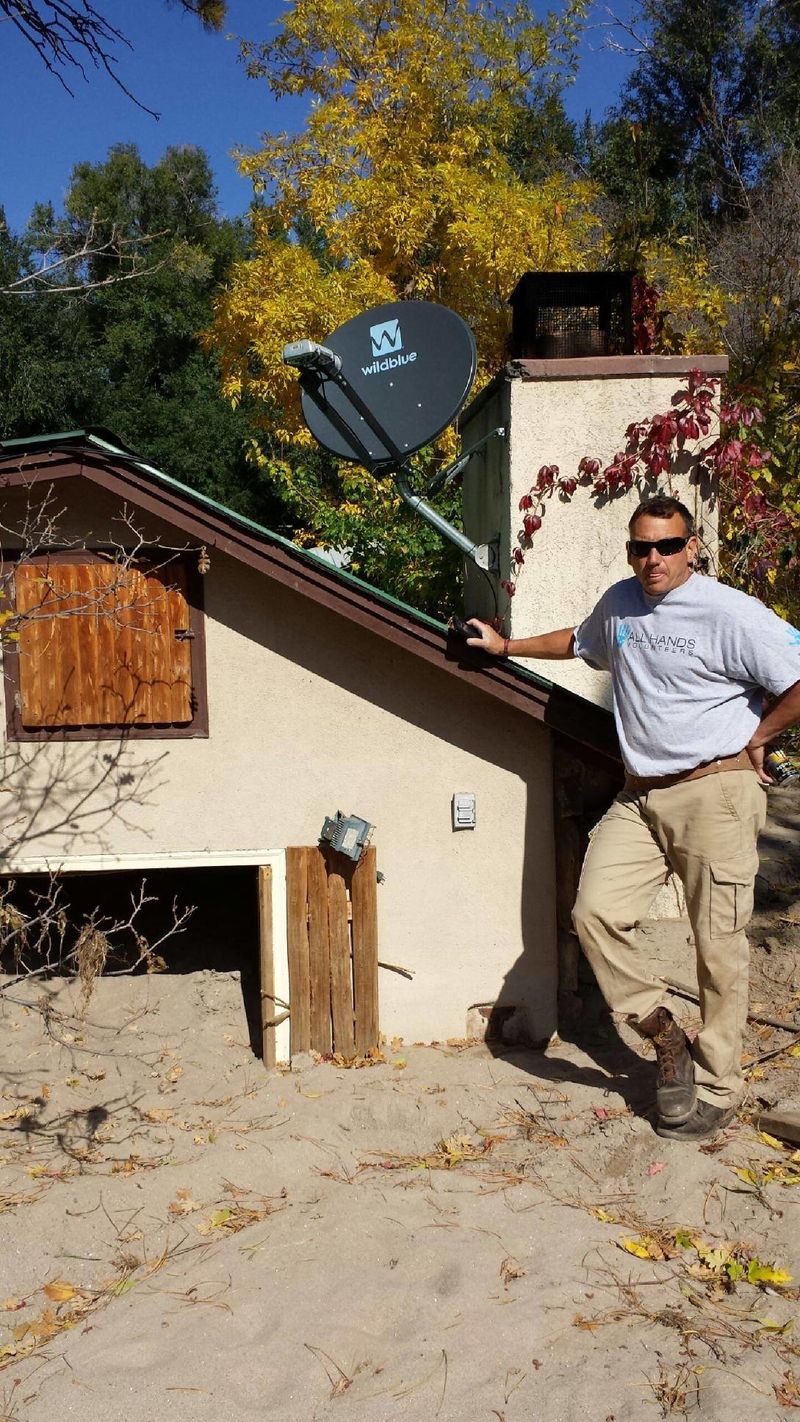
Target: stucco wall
{"x":580,"y":549}
{"x":309,"y":714}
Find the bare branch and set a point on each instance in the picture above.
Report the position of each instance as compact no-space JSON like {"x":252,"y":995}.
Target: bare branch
{"x":636,"y":41}
{"x":64,"y":34}
{"x":44,"y":940}
{"x":54,"y":262}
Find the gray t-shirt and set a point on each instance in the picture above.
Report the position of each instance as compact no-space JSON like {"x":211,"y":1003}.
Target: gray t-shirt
{"x":688,"y":669}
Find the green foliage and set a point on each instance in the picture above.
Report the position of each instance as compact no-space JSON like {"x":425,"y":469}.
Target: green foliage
{"x":714,"y":96}
{"x":673,"y":151}
{"x":125,"y":354}
{"x":340,"y":506}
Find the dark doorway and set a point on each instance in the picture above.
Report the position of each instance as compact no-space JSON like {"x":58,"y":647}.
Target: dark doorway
{"x":41,"y":921}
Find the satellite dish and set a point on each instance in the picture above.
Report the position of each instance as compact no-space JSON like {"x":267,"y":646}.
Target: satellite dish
{"x":411,"y":363}
{"x":387,"y":383}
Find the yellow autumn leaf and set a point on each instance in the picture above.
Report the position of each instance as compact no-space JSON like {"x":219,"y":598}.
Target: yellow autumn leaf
{"x":766,"y":1274}
{"x":637,"y":1247}
{"x":123,"y":1286}
{"x":713,"y":1258}
{"x":59,"y":1291}
{"x":603,"y":1215}
{"x":405,"y":170}
{"x":770,"y":1140}
{"x":44,"y":1327}
{"x":215,"y":1220}
{"x":768,"y":1325}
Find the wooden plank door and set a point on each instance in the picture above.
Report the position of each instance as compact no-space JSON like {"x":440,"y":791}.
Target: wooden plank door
{"x":332,"y":935}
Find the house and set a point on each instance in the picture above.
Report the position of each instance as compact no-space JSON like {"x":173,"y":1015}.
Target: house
{"x":187,"y":690}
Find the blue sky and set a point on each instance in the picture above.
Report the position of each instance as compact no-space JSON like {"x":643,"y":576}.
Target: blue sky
{"x":197,"y":85}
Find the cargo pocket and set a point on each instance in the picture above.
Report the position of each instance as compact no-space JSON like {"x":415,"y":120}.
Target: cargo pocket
{"x":730,"y":901}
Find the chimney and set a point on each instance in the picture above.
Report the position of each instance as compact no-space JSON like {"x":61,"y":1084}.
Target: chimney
{"x":556,"y":409}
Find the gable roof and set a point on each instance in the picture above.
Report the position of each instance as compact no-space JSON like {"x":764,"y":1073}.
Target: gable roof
{"x":97,"y":455}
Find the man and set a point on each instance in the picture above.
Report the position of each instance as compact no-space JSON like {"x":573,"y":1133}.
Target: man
{"x":690,"y":660}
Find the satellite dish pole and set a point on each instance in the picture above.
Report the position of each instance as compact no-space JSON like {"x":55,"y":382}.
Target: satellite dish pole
{"x":377,"y":391}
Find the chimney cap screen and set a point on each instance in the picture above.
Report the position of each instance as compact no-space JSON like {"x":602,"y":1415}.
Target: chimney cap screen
{"x":569,"y":314}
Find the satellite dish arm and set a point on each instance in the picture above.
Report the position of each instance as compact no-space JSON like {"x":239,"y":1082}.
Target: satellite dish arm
{"x":482,"y":554}
{"x":311,"y":382}
{"x":315,"y":390}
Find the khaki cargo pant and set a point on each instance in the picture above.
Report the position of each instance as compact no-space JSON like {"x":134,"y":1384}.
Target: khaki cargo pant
{"x":704,"y":830}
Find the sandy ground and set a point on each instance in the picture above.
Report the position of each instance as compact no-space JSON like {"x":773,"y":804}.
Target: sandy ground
{"x":453,"y":1233}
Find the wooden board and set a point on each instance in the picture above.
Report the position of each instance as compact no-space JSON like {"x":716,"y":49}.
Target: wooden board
{"x":297,"y":941}
{"x":341,"y":975}
{"x":266,"y":965}
{"x":364,"y":890}
{"x":319,"y":952}
{"x":98,"y":646}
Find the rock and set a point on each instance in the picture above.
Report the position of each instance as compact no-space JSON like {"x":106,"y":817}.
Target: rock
{"x":781,"y":1121}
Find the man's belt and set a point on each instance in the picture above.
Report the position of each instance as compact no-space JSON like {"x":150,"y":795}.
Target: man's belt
{"x":639,"y":784}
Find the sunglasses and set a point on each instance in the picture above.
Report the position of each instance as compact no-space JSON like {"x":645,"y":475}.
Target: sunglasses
{"x":665,"y":547}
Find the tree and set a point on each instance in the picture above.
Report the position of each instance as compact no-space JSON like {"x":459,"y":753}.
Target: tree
{"x":715,"y":94}
{"x":127,"y":355}
{"x":69,"y":33}
{"x":758,"y":259}
{"x":401,"y":185}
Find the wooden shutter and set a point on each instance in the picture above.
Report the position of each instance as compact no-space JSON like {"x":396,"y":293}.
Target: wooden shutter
{"x":98,"y":647}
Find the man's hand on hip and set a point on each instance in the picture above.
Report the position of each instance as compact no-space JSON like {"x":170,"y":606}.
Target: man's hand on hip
{"x":756,"y":754}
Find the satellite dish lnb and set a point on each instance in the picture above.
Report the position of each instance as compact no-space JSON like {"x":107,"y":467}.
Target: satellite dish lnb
{"x":412,"y":363}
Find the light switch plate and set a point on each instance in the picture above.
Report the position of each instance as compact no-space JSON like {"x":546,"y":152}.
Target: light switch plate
{"x":464,"y":810}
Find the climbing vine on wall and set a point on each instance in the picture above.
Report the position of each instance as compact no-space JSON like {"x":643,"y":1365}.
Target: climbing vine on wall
{"x":759,"y":511}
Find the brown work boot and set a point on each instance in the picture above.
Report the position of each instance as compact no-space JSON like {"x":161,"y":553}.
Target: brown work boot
{"x":704,"y":1123}
{"x":675,"y":1090}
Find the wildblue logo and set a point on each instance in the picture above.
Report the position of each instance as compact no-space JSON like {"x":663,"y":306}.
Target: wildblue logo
{"x":387,"y":338}
{"x":387,"y":348}
{"x":623,"y":633}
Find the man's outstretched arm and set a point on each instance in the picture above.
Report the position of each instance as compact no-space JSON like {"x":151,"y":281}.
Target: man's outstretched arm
{"x":550,"y":646}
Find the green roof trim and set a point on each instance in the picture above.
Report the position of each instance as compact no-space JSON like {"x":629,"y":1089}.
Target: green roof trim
{"x":107,"y":443}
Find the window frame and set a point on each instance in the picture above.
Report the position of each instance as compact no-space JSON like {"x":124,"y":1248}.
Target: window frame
{"x":148,"y":558}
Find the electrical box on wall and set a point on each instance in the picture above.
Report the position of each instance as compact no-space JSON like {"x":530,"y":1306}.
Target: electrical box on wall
{"x":464,"y":810}
{"x":347,"y":833}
